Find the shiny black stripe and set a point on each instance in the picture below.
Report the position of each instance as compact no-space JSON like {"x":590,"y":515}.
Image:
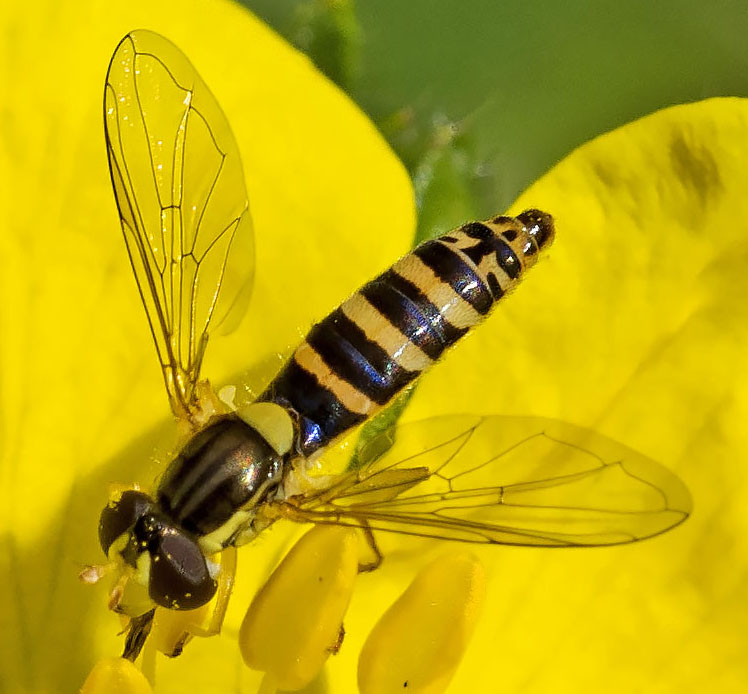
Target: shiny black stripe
{"x":373,"y":353}
{"x":489,"y":243}
{"x":360,"y":362}
{"x":493,"y":283}
{"x":322,"y":416}
{"x":346,"y":362}
{"x":477,"y":230}
{"x":508,"y":260}
{"x":448,"y":333}
{"x":450,"y":268}
{"x":405,"y":315}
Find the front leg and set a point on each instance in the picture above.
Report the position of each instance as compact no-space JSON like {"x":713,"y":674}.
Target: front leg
{"x":173,"y":629}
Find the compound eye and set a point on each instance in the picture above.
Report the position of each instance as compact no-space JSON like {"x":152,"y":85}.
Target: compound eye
{"x":179,"y":576}
{"x":119,"y":516}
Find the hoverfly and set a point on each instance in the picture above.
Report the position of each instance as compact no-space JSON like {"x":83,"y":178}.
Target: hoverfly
{"x":183,"y":206}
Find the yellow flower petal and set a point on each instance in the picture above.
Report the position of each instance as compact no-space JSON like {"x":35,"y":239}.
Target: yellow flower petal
{"x":170,"y":626}
{"x":115,"y":676}
{"x":634,"y":325}
{"x":419,"y":642}
{"x":82,"y":399}
{"x":294,"y":622}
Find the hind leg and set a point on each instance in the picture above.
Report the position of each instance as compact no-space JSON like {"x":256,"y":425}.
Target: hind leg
{"x":371,"y":541}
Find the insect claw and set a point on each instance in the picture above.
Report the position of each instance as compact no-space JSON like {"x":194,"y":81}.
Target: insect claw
{"x":179,"y":645}
{"x":378,"y":557}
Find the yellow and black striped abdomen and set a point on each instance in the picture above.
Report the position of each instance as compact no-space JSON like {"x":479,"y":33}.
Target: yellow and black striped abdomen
{"x":380,"y":339}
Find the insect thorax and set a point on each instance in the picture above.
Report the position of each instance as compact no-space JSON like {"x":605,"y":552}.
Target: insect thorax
{"x":224,"y":471}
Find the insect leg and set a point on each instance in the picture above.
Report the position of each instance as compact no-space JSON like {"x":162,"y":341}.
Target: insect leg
{"x":137,"y":633}
{"x":223,"y":593}
{"x":294,"y":513}
{"x":192,"y":625}
{"x":373,"y":546}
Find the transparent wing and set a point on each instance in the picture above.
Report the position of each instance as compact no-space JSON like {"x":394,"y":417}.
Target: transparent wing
{"x":504,"y":480}
{"x":182,"y":201}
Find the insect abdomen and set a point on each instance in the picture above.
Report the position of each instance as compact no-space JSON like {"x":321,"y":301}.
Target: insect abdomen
{"x":380,"y":339}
